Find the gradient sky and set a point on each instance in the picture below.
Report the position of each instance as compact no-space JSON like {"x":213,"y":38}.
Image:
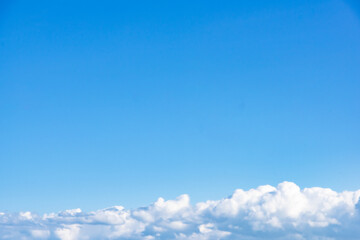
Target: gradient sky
{"x":120,"y":102}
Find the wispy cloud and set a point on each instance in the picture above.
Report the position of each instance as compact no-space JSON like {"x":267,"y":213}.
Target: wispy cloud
{"x":282,"y":212}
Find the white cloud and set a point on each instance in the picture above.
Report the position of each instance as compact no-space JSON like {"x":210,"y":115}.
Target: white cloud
{"x":40,"y":234}
{"x":68,"y":232}
{"x":282,"y":212}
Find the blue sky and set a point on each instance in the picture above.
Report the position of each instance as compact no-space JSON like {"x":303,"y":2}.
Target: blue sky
{"x":121,"y":102}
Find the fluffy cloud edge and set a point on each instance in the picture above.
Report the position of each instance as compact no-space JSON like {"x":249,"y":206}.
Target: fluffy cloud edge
{"x":266,"y":212}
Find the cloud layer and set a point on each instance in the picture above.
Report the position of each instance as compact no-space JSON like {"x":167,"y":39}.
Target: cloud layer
{"x":282,"y":212}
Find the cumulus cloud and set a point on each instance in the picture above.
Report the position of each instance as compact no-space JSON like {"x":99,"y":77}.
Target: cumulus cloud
{"x":267,"y":212}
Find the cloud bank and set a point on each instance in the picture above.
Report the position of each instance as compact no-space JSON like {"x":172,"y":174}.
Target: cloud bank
{"x":267,"y":212}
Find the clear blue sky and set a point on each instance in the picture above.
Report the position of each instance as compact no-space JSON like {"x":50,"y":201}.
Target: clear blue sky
{"x":119,"y":102}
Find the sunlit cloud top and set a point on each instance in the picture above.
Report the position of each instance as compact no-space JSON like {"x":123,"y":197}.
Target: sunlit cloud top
{"x":267,"y":212}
